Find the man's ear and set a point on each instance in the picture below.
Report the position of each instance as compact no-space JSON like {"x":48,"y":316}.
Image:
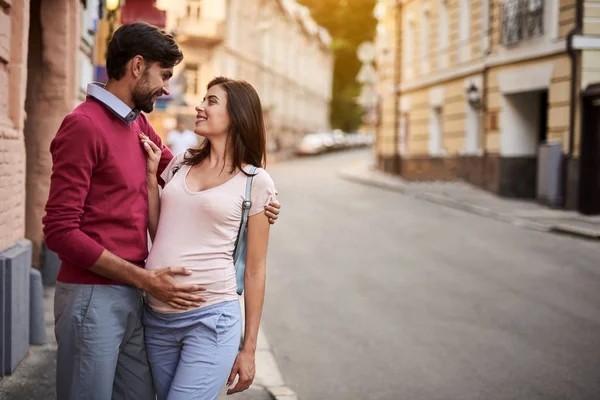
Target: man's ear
{"x":137,"y":66}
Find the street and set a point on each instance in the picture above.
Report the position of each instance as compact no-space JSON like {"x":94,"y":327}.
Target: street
{"x":374,"y":295}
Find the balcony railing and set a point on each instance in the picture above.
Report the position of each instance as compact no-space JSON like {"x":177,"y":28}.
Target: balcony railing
{"x":200,"y":30}
{"x":521,"y":19}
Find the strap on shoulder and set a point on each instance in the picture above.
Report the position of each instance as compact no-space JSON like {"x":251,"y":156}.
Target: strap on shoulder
{"x":247,"y":202}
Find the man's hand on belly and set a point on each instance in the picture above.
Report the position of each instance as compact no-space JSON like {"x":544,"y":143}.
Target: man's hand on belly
{"x":161,"y":285}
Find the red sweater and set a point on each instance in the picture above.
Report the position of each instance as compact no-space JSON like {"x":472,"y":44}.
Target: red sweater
{"x":98,"y":196}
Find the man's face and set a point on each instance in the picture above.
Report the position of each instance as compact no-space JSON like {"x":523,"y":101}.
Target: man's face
{"x":153,"y":82}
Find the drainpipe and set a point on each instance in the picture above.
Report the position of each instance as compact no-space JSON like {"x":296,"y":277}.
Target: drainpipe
{"x":574,"y":67}
{"x":397,"y":80}
{"x":484,"y":89}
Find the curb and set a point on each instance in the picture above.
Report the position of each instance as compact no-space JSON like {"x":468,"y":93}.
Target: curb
{"x":470,"y":208}
{"x":270,"y":377}
{"x":576,"y":232}
{"x":282,"y":393}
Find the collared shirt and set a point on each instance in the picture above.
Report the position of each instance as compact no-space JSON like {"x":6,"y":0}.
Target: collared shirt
{"x":116,"y":105}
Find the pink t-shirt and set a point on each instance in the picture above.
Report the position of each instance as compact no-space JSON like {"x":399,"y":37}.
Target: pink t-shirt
{"x":198,"y":230}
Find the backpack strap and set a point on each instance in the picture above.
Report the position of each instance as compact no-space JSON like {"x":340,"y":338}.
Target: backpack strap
{"x":247,"y":202}
{"x":246,"y":205}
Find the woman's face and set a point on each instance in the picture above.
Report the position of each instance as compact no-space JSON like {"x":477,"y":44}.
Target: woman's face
{"x":212,"y":118}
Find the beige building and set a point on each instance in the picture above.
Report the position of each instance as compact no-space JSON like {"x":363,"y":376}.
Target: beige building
{"x":484,"y":93}
{"x":273,"y":44}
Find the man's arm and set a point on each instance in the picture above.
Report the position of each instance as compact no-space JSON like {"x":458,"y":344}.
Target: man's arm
{"x":159,"y":283}
{"x":76,"y":150}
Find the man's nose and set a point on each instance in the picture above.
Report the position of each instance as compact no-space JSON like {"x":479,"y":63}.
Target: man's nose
{"x":166,"y":90}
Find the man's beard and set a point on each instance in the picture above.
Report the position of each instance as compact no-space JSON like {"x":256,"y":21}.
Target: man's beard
{"x":143,"y":98}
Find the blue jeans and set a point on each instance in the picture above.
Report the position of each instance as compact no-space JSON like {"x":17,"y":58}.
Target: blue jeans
{"x":100,"y":338}
{"x":191,"y":353}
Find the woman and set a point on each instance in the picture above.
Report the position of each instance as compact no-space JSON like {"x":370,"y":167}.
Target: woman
{"x":193,"y":348}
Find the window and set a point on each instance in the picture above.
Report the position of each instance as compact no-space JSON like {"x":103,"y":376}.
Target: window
{"x":408,"y":48}
{"x":521,"y":19}
{"x":444,"y":35}
{"x":403,"y":129}
{"x":464,"y":45}
{"x":472,"y":131}
{"x":424,"y":53}
{"x":435,"y":132}
{"x":194,"y":9}
{"x":191,"y":76}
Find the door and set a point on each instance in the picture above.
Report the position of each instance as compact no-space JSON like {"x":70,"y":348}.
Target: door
{"x":589,"y":173}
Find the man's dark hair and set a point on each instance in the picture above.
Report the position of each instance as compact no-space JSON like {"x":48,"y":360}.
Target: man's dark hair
{"x":140,"y":38}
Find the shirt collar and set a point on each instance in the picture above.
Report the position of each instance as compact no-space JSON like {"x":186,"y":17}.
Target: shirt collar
{"x":116,"y":105}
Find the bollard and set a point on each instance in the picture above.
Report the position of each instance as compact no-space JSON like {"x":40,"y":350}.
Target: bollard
{"x":16,"y":262}
{"x":37,"y":329}
{"x":50,"y":266}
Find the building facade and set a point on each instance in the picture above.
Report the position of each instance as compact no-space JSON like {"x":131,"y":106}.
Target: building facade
{"x":488,"y":92}
{"x":45,"y":55}
{"x":44,"y":67}
{"x":273,"y":44}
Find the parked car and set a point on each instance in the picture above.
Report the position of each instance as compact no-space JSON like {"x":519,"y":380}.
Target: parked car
{"x":354,"y":140}
{"x":327,"y":139}
{"x":339,"y":139}
{"x":311,"y":144}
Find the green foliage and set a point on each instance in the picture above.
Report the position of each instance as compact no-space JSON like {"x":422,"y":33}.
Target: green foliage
{"x":349,"y":22}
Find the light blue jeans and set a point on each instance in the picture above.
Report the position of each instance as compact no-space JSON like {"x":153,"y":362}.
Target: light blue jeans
{"x":191,"y":353}
{"x":100,"y":337}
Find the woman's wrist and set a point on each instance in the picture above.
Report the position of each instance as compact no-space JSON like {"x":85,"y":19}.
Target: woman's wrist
{"x":249,"y":348}
{"x":151,"y":180}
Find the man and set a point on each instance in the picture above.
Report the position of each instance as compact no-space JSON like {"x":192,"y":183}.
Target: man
{"x":96,"y":221}
{"x":181,"y":139}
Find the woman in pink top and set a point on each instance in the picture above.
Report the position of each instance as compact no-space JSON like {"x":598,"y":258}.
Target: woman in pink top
{"x":193,"y":348}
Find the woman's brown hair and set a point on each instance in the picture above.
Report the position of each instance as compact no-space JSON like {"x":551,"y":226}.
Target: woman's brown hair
{"x":246,"y":128}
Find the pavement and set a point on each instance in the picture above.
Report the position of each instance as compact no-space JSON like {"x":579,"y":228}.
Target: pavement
{"x":34,"y":378}
{"x":465,"y":197}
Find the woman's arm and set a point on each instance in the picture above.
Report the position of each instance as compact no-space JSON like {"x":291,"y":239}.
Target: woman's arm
{"x":153,"y":204}
{"x":254,"y":295}
{"x":153,"y":156}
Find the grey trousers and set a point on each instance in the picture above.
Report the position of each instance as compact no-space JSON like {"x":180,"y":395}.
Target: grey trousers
{"x":101,"y":353}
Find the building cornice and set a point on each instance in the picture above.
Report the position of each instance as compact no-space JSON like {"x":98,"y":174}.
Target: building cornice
{"x":526,"y":53}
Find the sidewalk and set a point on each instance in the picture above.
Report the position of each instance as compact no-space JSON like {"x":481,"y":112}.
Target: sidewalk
{"x":34,"y":378}
{"x":462,"y":196}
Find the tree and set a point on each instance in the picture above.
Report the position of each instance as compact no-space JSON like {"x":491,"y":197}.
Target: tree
{"x":349,"y":22}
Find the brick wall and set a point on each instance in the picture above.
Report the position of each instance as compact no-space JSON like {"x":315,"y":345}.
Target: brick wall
{"x":14,"y":26}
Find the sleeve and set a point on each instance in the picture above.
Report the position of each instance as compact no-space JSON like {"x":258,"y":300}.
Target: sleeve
{"x":263,"y":190}
{"x":168,"y":172}
{"x":75,"y":151}
{"x":167,"y":155}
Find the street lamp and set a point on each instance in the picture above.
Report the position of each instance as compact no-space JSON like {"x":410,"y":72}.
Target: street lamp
{"x":111,"y":17}
{"x":473,"y":96}
{"x":113,"y":5}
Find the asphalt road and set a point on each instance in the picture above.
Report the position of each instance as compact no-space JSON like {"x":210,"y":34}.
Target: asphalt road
{"x":373,"y":295}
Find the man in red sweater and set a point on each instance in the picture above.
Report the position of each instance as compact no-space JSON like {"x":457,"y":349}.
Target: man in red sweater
{"x":96,"y":221}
